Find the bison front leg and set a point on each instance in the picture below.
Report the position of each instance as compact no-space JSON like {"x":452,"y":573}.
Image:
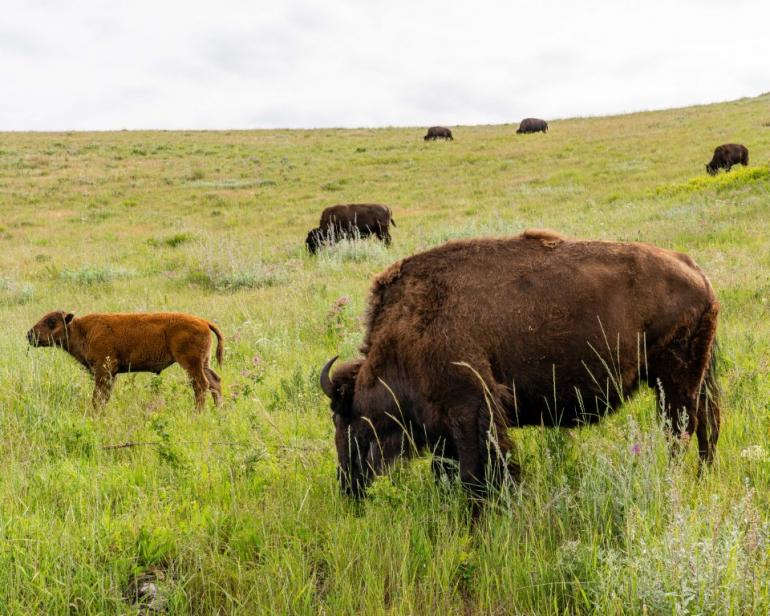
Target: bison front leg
{"x":484,"y":451}
{"x":444,"y":462}
{"x":104,"y":375}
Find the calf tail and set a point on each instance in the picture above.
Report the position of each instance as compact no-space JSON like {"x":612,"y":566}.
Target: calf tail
{"x":220,"y":344}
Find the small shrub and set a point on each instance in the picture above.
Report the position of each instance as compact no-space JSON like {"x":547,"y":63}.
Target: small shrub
{"x":194,"y":175}
{"x":225,"y":266}
{"x":91,"y":275}
{"x":722,"y":181}
{"x":355,"y":250}
{"x":13,"y":292}
{"x":334,"y":185}
{"x":172,"y":241}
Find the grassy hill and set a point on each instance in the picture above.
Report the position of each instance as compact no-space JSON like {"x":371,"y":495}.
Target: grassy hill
{"x":237,"y":510}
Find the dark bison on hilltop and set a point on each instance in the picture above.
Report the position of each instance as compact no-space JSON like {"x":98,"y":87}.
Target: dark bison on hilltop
{"x":438,"y":132}
{"x":533,"y":125}
{"x":350,"y":221}
{"x":108,"y":344}
{"x":727,"y":155}
{"x":476,"y":336}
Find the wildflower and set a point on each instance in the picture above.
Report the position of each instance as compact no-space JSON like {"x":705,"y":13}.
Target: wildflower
{"x":754,"y":453}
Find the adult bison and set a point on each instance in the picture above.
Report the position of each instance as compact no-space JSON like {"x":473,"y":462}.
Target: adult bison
{"x":110,"y":343}
{"x":438,"y":132}
{"x":348,"y":221}
{"x":727,"y":155}
{"x":473,"y":337}
{"x":532,"y":125}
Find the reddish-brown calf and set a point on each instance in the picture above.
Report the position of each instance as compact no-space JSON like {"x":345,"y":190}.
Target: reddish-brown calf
{"x":110,"y":343}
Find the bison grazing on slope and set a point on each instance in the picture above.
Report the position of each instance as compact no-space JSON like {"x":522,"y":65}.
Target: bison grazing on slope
{"x":727,"y":155}
{"x":473,"y":337}
{"x":532,"y":125}
{"x":348,"y":221}
{"x":110,"y":343}
{"x":438,"y":132}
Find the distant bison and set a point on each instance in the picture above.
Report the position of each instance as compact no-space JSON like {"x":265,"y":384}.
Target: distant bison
{"x":438,"y":132}
{"x":108,"y":344}
{"x":727,"y":155}
{"x":533,"y":125}
{"x":476,"y":336}
{"x":348,"y":221}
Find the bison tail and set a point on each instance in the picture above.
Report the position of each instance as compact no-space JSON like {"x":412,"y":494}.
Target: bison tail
{"x":220,"y":344}
{"x":709,"y":414}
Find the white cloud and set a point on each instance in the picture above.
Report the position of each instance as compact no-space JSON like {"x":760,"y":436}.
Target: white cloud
{"x":171,"y":64}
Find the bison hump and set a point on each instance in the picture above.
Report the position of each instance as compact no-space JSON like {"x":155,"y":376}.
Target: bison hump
{"x":548,"y":238}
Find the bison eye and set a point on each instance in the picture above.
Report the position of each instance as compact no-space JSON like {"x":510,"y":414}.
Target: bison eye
{"x":51,"y":323}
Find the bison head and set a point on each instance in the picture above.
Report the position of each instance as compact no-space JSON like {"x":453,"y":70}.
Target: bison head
{"x":711,"y":169}
{"x":367,"y":439}
{"x":51,"y":330}
{"x":313,"y":240}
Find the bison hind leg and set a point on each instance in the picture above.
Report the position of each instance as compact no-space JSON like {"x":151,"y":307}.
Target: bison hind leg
{"x":685,"y":375}
{"x":215,"y":385}
{"x":196,"y":370}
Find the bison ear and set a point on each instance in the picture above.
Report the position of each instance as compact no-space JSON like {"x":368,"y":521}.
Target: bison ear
{"x":68,"y":318}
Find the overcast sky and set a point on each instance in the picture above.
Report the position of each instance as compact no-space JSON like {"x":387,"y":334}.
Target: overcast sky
{"x":87,"y":64}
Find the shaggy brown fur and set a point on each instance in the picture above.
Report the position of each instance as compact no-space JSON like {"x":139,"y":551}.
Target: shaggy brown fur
{"x":727,"y":155}
{"x":438,"y":132}
{"x":344,"y":221}
{"x":473,"y":337}
{"x":533,"y":125}
{"x":110,"y":343}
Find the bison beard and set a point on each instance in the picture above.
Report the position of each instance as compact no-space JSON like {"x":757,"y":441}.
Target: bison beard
{"x":474,"y":337}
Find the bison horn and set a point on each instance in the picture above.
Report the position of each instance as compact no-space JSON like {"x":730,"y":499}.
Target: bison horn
{"x":326,"y":383}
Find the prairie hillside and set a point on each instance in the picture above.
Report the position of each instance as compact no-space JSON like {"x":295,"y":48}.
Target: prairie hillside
{"x":237,"y":510}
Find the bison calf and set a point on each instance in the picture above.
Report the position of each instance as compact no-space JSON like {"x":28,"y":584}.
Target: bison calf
{"x":532,"y":125}
{"x":110,"y":343}
{"x":348,"y":221}
{"x":438,"y":132}
{"x":727,"y":155}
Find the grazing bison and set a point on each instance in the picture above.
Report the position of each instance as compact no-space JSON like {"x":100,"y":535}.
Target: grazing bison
{"x":727,"y":155}
{"x":110,"y":343}
{"x":532,"y":125}
{"x":348,"y":221}
{"x":438,"y":132}
{"x":476,"y":336}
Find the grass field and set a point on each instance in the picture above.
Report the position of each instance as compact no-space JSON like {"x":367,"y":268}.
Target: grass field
{"x":237,"y":510}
